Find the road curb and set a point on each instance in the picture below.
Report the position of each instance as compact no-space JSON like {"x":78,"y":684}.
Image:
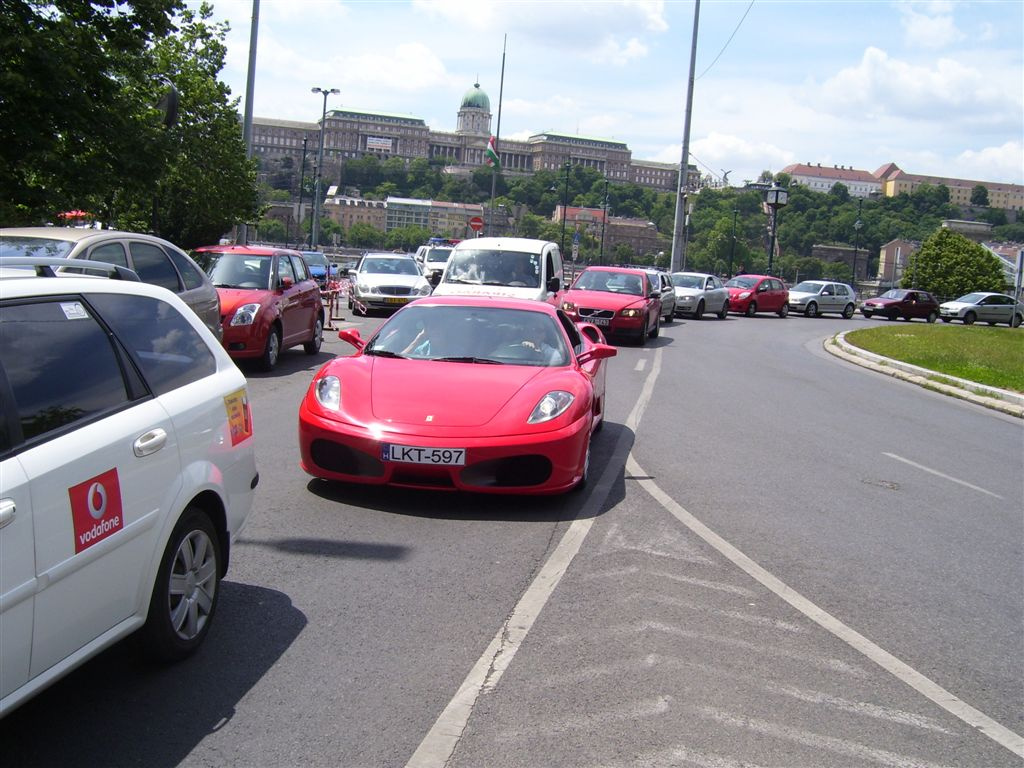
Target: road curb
{"x":1002,"y":400}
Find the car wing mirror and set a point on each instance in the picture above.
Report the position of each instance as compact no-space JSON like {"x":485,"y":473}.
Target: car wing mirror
{"x":286,"y":283}
{"x":597,"y":352}
{"x":351,"y":335}
{"x":554,"y":285}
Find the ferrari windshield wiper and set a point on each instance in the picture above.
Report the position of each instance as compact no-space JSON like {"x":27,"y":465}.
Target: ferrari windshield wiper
{"x":482,"y":360}
{"x":384,"y":353}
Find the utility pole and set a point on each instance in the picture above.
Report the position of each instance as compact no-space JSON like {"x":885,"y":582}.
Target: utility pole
{"x":678,"y":233}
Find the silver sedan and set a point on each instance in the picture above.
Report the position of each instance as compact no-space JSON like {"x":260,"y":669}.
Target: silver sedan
{"x":699,"y":292}
{"x":987,"y":307}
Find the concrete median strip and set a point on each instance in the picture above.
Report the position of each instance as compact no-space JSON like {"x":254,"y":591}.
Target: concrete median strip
{"x":1005,"y":401}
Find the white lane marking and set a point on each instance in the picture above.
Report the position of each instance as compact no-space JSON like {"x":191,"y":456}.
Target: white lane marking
{"x":443,"y":737}
{"x":940,"y":474}
{"x":809,"y":738}
{"x":640,"y":364}
{"x":900,"y":670}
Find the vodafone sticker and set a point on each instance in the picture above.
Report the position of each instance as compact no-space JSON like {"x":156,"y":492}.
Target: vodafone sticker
{"x":96,"y":509}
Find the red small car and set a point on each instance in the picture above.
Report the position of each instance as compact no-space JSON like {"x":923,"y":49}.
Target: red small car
{"x":269,"y":301}
{"x":621,"y":301}
{"x":750,"y":294}
{"x":900,"y":302}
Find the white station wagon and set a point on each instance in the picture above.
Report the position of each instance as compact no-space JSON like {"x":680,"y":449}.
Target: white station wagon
{"x":127,"y":469}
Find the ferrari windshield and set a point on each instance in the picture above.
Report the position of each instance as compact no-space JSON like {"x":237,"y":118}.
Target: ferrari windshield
{"x":470,"y":334}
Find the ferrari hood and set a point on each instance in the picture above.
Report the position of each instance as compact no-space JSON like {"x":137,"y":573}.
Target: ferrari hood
{"x":442,"y":394}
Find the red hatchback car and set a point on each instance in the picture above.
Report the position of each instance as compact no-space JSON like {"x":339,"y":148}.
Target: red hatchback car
{"x":507,"y":394}
{"x":269,"y":301}
{"x":621,"y":301}
{"x":750,"y":294}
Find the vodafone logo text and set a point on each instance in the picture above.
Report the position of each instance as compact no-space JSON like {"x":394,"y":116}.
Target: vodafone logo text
{"x":96,"y":509}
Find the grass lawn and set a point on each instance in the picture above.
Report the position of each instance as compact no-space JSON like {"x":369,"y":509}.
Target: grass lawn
{"x":983,"y":354}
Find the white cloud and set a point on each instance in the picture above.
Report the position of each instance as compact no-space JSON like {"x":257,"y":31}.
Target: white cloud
{"x":933,"y":29}
{"x":1003,"y":163}
{"x":611,"y":51}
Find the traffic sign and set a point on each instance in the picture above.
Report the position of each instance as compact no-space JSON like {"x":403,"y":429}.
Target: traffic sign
{"x":476,"y":223}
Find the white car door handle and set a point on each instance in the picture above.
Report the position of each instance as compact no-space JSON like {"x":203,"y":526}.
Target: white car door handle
{"x":151,"y":442}
{"x":7,"y":510}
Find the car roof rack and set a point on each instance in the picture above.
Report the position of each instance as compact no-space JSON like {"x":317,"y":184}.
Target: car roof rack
{"x":46,"y":266}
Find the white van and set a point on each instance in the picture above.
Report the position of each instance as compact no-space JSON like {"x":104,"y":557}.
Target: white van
{"x":516,"y":267}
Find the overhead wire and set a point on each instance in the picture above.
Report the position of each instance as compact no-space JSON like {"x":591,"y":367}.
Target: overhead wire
{"x":737,"y":29}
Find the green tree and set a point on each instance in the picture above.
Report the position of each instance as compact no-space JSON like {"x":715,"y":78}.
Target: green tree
{"x":78,"y":117}
{"x":363,"y":235}
{"x":948,"y":264}
{"x":979,"y":195}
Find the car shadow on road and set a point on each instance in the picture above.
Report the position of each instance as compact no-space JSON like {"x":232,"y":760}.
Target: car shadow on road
{"x":121,"y":709}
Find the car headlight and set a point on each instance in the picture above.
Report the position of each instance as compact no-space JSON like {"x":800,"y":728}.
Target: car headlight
{"x":362,"y":287}
{"x":568,"y":306}
{"x":328,"y":392}
{"x":745,"y":295}
{"x":551,"y":406}
{"x":245,"y":314}
{"x":423,"y":290}
{"x":630,"y":313}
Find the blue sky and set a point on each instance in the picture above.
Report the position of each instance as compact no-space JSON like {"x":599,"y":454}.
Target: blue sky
{"x":936,"y":87}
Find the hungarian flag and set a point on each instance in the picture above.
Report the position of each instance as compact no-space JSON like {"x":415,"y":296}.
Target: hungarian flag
{"x":491,"y":155}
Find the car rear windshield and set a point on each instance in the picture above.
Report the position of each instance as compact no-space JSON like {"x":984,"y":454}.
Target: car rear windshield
{"x":34,"y":246}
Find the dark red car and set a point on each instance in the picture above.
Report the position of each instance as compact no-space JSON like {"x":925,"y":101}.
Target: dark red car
{"x":902,"y":302}
{"x":621,"y":301}
{"x":269,"y":301}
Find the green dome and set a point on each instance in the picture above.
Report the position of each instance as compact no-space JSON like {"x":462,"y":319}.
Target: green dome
{"x":476,"y":98}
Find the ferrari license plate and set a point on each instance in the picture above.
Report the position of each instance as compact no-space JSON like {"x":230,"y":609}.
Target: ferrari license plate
{"x":411,"y":454}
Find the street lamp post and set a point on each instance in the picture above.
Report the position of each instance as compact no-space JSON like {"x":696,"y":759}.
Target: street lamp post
{"x":302,"y":186}
{"x":315,"y":224}
{"x":856,"y":239}
{"x":565,"y":206}
{"x":732,"y":245}
{"x":776,"y":197}
{"x":604,"y":221}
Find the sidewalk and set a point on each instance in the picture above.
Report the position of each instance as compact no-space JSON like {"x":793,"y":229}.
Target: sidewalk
{"x":1011,"y":403}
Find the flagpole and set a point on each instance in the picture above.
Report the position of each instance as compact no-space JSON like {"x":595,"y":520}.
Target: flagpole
{"x":497,"y":136}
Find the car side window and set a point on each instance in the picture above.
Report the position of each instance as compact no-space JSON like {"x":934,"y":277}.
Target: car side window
{"x":300,"y":269}
{"x":154,"y":266}
{"x":112,"y":253}
{"x":190,"y":273}
{"x":60,"y":364}
{"x":167,"y":349}
{"x":284,"y":269}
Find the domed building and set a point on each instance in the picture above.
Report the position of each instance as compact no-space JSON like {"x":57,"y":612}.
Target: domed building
{"x":474,"y":113}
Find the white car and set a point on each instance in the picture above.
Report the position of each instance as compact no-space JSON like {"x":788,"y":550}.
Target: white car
{"x":127,"y":468}
{"x":985,"y":306}
{"x":813,"y":298}
{"x":698,"y":292}
{"x":385,"y":281}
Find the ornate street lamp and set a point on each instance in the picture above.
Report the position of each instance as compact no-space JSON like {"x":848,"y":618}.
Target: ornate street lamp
{"x":315,"y":223}
{"x":774,"y":198}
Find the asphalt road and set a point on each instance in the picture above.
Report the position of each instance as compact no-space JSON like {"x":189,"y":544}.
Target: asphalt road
{"x":782,"y":560}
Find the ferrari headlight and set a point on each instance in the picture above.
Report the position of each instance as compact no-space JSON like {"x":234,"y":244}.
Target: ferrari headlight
{"x":630,"y":313}
{"x":552,"y":405}
{"x":328,"y":392}
{"x":245,"y":314}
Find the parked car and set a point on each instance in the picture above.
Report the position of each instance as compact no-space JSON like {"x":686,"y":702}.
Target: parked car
{"x":269,"y":301}
{"x":817,"y":297}
{"x":985,"y":306}
{"x":153,"y":259}
{"x":750,"y":294}
{"x":901,"y":302}
{"x":699,"y":292}
{"x":666,"y":290}
{"x":517,"y":267}
{"x":127,"y":469}
{"x":537,"y":384}
{"x":385,"y":281}
{"x":621,"y":301}
{"x":322,"y":270}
